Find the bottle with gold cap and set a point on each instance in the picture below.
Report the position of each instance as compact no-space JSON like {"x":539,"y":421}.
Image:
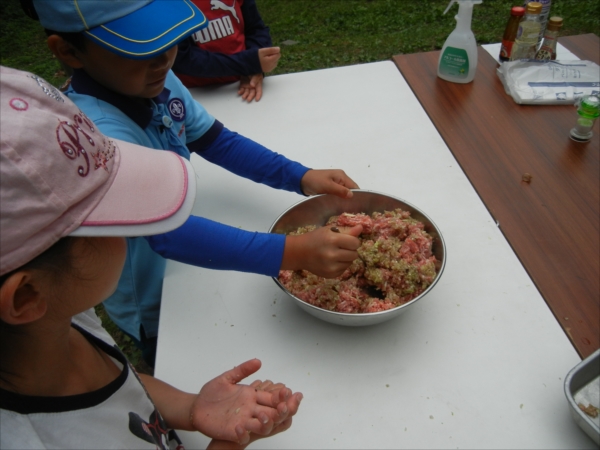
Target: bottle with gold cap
{"x":548,"y":49}
{"x":544,"y":15}
{"x":525,"y":46}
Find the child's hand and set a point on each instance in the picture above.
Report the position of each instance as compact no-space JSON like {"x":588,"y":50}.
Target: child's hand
{"x":216,"y":444}
{"x":251,"y":87}
{"x":268,"y":57}
{"x":230,"y":411}
{"x":322,"y":252}
{"x":331,"y":181}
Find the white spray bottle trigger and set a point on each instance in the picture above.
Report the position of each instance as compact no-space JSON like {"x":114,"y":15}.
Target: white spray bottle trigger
{"x":452,"y":2}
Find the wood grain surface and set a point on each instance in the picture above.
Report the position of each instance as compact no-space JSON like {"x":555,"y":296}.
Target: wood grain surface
{"x":552,"y":221}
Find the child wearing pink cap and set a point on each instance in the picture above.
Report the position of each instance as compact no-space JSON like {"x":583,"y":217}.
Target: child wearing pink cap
{"x":68,"y":196}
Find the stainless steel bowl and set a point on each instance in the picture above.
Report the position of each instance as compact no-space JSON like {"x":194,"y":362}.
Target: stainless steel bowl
{"x":318,"y":209}
{"x":582,"y":385}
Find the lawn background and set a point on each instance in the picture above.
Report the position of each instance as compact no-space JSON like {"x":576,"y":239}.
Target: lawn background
{"x":316,"y":34}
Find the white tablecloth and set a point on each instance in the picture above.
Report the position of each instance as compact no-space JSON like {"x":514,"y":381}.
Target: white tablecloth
{"x":562,"y":54}
{"x":478,"y":363}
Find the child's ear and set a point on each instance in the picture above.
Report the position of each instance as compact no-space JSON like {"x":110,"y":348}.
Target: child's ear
{"x":64,"y":51}
{"x":21,"y":301}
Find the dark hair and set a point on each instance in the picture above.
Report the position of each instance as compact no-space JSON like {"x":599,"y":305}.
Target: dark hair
{"x":56,"y":260}
{"x":29,"y":9}
{"x":77,"y":40}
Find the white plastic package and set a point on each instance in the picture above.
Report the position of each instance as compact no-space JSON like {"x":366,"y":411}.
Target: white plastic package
{"x":536,"y":82}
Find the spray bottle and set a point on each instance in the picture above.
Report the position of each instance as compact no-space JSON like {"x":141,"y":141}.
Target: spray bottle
{"x":458,"y":59}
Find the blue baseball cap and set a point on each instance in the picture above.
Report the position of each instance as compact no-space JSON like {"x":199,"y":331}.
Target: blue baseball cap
{"x":137,"y":29}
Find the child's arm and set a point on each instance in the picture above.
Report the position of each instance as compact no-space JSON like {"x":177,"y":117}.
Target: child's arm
{"x":248,"y":159}
{"x":225,"y":409}
{"x":257,"y":34}
{"x":194,"y":61}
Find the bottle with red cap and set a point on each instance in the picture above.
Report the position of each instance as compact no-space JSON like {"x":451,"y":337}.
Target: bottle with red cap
{"x":510,"y":33}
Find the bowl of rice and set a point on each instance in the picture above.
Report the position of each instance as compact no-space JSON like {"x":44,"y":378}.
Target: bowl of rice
{"x":401,"y":258}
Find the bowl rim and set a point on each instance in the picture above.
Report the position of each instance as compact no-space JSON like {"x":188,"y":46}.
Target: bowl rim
{"x":371,"y":314}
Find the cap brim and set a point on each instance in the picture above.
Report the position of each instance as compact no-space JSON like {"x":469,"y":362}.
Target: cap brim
{"x":150,"y":30}
{"x":153,"y":192}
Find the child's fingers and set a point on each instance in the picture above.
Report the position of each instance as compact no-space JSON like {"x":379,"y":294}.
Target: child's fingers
{"x":258,"y":92}
{"x":339,"y":190}
{"x":270,"y":51}
{"x":242,"y":435}
{"x":250,"y":95}
{"x":283,"y":409}
{"x":352,"y":231}
{"x":242,"y":371}
{"x":269,"y":386}
{"x":272,"y":399}
{"x":261,"y":425}
{"x":293,"y":403}
{"x":344,"y":180}
{"x":287,"y":423}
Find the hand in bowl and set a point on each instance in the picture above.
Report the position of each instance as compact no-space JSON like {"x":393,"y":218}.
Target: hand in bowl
{"x":322,"y":252}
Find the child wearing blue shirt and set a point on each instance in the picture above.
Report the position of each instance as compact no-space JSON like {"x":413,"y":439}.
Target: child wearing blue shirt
{"x":122,"y":53}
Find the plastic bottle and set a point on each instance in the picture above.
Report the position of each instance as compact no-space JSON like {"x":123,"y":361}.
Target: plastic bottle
{"x":548,"y":48}
{"x":588,"y":110}
{"x":458,"y":58}
{"x":527,"y":37}
{"x":510,"y":33}
{"x":544,"y":15}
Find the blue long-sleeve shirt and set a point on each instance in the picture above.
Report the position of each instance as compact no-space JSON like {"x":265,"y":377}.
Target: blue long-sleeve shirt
{"x":200,"y":241}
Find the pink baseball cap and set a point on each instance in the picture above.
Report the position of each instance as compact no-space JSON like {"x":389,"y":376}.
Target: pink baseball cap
{"x":60,"y":176}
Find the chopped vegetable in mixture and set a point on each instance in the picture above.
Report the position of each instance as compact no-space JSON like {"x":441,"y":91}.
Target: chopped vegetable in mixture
{"x":395,"y":265}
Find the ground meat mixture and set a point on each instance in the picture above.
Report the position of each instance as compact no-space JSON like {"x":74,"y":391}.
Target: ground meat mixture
{"x":395,"y":265}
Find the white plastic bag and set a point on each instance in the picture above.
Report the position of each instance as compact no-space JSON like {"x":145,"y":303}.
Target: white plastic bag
{"x":536,"y":82}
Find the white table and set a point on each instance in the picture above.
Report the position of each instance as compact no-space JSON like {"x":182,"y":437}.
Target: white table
{"x":478,"y":363}
{"x":562,"y":54}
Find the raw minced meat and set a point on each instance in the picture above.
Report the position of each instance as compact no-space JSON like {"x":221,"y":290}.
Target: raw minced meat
{"x":394,"y":266}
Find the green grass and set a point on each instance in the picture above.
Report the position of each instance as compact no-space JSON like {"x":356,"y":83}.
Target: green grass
{"x":125,"y":343}
{"x":332,"y":33}
{"x":327,"y":33}
{"x":23,"y":44}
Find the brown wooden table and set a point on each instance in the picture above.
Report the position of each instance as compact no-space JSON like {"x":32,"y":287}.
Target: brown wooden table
{"x":552,"y":222}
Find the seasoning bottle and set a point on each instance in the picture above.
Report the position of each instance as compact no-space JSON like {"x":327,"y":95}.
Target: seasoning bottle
{"x":543,"y":17}
{"x":588,"y":110}
{"x":510,"y":33}
{"x":525,"y":46}
{"x":548,"y":48}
